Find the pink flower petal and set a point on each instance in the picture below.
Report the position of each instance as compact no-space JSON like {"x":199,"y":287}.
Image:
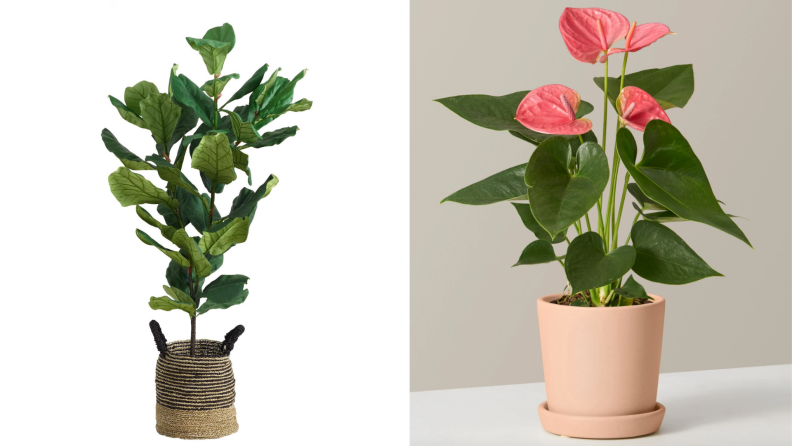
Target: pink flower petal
{"x":582,"y":34}
{"x":644,"y":108}
{"x":604,"y":57}
{"x":543,"y":110}
{"x":646,"y":34}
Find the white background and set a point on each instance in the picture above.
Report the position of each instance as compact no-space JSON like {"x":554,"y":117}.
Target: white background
{"x":324,"y":359}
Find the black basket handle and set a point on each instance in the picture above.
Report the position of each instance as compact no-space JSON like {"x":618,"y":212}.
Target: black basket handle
{"x":231,"y":338}
{"x":159,"y":338}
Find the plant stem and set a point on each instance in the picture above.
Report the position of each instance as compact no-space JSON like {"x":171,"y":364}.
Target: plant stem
{"x":192,"y":319}
{"x":581,"y":138}
{"x":605,"y":109}
{"x":588,"y":223}
{"x":633,"y":224}
{"x":217,"y":114}
{"x":211,"y":205}
{"x":562,"y":263}
{"x":624,"y":67}
{"x":192,"y":335}
{"x":621,"y":206}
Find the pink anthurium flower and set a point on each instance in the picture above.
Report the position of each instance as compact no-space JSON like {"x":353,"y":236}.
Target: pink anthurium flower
{"x":637,"y":107}
{"x":588,"y":32}
{"x":639,"y":37}
{"x":551,"y":109}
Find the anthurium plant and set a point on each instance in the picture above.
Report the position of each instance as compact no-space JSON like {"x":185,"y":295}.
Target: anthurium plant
{"x":568,"y":183}
{"x":217,"y":148}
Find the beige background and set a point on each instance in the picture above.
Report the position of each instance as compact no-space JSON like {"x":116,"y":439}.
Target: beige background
{"x":473,"y":317}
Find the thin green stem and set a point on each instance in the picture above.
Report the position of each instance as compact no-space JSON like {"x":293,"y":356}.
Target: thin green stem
{"x":624,"y":67}
{"x":605,"y":109}
{"x":588,"y":223}
{"x":633,"y":224}
{"x":621,"y":206}
{"x":211,"y":205}
{"x":562,"y":263}
{"x":581,"y":138}
{"x":216,"y":113}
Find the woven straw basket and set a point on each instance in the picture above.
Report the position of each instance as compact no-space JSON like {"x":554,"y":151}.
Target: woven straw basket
{"x":195,"y":394}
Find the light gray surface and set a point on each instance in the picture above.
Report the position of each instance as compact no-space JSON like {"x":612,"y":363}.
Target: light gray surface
{"x":473,"y":318}
{"x":751,"y":405}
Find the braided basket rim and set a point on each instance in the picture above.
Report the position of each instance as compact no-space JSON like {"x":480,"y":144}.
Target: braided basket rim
{"x":205,"y":349}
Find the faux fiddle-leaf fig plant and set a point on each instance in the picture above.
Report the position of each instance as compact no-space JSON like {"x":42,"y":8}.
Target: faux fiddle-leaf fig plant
{"x":567,"y":184}
{"x":193,"y":233}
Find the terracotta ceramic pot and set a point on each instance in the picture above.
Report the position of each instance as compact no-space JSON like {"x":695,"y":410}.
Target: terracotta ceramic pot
{"x":601,"y":367}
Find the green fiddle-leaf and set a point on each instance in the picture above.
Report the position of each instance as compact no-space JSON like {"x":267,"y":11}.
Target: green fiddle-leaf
{"x":247,"y":201}
{"x":670,"y":86}
{"x":193,"y":208}
{"x":134,"y":95}
{"x":224,"y":292}
{"x":589,"y":266}
{"x":218,"y":241}
{"x":282,"y":95}
{"x":243,"y":131}
{"x":299,"y":106}
{"x":559,"y":197}
{"x":538,"y":251}
{"x":505,"y":185}
{"x":127,"y":113}
{"x":632,"y":290}
{"x":186,"y":92}
{"x":213,"y":87}
{"x":213,"y":53}
{"x":200,"y":264}
{"x":250,"y":84}
{"x":127,"y":158}
{"x":173,"y":255}
{"x":178,"y":295}
{"x":524,"y":210}
{"x":672,"y":175}
{"x":166,"y":230}
{"x":223,"y":33}
{"x":663,"y":257}
{"x":187,"y":121}
{"x":130,"y":189}
{"x":167,"y":304}
{"x":499,"y":112}
{"x":274,"y":138}
{"x":214,"y":158}
{"x":264,"y":92}
{"x":160,"y":115}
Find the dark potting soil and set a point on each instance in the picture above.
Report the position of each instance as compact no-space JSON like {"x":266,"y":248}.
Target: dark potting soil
{"x":567,"y":299}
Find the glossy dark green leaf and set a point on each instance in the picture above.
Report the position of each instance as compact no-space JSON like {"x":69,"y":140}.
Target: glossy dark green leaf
{"x":248,"y":201}
{"x":265,"y":92}
{"x":130,"y":189}
{"x":672,"y":175}
{"x":249,"y":85}
{"x":192,"y":209}
{"x":223,"y":33}
{"x":538,"y":251}
{"x":127,"y":158}
{"x":187,"y":121}
{"x":137,"y":93}
{"x":663,"y":257}
{"x":587,"y":137}
{"x":645,"y":202}
{"x":588,"y":266}
{"x":660,"y":216}
{"x":524,"y":210}
{"x":177,"y":277}
{"x":559,"y":197}
{"x":275,"y":137}
{"x":187,"y":93}
{"x":505,"y":185}
{"x":223,"y":292}
{"x":670,"y":86}
{"x":299,"y":106}
{"x":632,"y":290}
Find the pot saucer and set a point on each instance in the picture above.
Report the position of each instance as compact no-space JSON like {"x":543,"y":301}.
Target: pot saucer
{"x":622,"y":426}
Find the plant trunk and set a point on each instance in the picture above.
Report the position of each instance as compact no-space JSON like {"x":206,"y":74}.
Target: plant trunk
{"x":192,"y":336}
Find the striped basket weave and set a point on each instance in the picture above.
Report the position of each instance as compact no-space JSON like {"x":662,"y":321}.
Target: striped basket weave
{"x":195,"y":394}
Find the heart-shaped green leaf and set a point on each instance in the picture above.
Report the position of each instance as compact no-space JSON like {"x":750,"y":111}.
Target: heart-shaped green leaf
{"x":632,"y":290}
{"x":670,"y":86}
{"x":524,"y":210}
{"x":588,"y":266}
{"x":663,"y":257}
{"x":505,"y":185}
{"x":559,"y":196}
{"x":499,"y":112}
{"x":538,"y":251}
{"x":672,"y":175}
